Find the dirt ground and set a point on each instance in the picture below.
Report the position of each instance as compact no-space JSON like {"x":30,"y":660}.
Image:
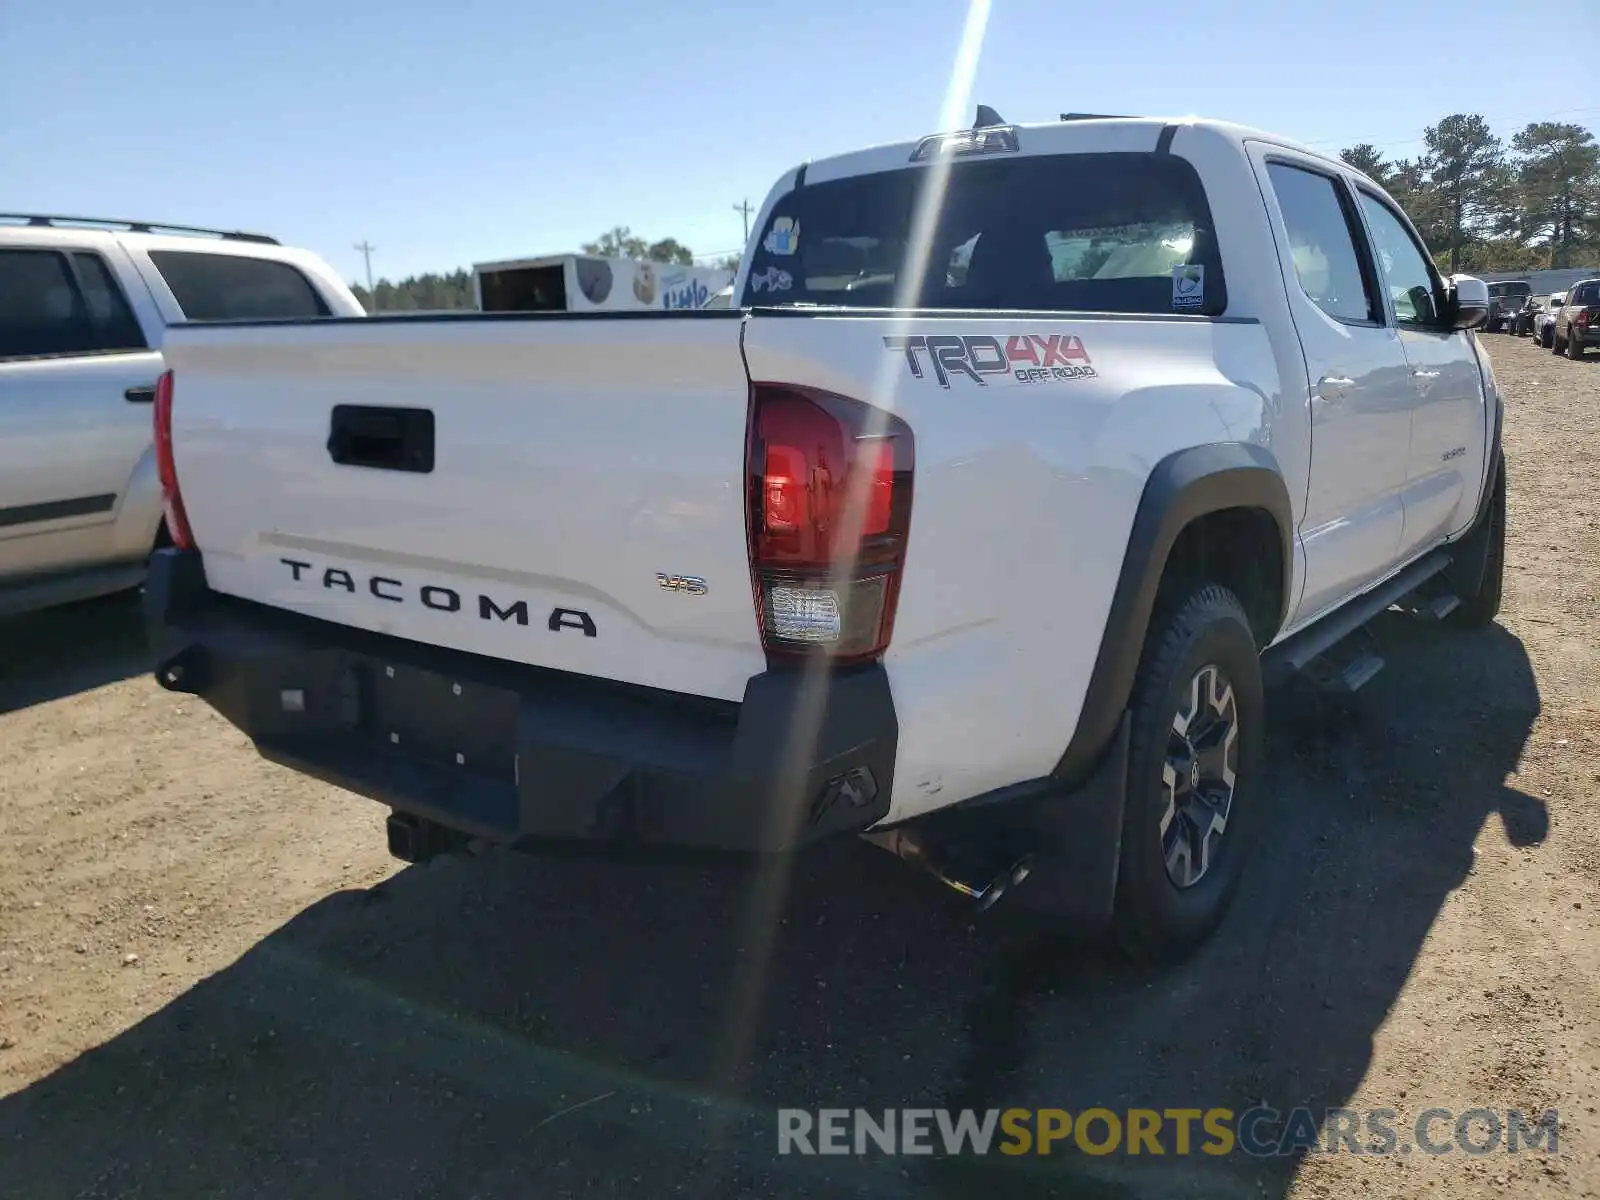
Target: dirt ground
{"x":214,"y":982}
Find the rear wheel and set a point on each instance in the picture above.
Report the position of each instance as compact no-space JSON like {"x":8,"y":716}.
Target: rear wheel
{"x":1574,"y":347}
{"x":1195,"y":759}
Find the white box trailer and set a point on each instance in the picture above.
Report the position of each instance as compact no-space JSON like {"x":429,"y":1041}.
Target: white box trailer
{"x":587,"y":283}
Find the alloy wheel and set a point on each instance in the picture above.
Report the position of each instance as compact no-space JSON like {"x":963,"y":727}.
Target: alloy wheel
{"x":1199,"y":776}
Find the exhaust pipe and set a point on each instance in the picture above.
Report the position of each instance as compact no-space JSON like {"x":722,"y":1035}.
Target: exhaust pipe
{"x":414,"y":839}
{"x":982,"y":877}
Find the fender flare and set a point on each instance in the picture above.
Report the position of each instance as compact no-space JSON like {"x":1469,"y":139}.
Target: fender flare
{"x":1182,"y":487}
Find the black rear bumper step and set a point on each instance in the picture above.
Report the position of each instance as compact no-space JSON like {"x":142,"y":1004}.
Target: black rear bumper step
{"x":513,"y":753}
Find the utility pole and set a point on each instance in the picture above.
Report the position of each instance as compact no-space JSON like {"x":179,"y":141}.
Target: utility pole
{"x":366,"y":249}
{"x":744,"y":210}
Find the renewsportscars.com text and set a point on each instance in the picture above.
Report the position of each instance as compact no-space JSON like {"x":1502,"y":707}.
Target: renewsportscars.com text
{"x":1258,"y":1132}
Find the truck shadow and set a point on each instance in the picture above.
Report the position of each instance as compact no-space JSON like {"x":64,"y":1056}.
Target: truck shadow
{"x":519,"y":1025}
{"x":47,"y":655}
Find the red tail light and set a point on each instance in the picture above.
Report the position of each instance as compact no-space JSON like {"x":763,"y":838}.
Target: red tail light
{"x":166,"y":468}
{"x":1582,"y":319}
{"x":828,"y":512}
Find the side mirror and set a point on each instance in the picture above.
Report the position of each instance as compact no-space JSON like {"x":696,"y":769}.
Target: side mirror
{"x":1466,"y":302}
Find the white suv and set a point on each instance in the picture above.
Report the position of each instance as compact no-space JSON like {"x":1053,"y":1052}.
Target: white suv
{"x":84,"y":309}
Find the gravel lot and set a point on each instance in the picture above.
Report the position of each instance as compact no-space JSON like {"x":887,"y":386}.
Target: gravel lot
{"x":213,"y":981}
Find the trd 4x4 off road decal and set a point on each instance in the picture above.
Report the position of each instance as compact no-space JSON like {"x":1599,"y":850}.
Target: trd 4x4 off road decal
{"x":1024,"y":357}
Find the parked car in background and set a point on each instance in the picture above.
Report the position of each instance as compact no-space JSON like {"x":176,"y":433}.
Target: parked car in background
{"x":1522,"y":319}
{"x":1504,"y":300}
{"x":84,"y":310}
{"x":1544,"y":319}
{"x":1576,"y":325}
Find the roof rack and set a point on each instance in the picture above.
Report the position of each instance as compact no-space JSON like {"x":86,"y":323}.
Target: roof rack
{"x":1096,"y":117}
{"x":48,"y":221}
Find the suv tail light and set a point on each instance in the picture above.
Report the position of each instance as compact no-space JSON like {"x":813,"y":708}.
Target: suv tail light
{"x":166,"y":468}
{"x":1582,"y":319}
{"x":827,"y":512}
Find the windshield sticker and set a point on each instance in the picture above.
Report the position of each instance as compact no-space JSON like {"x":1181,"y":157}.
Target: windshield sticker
{"x":784,"y":236}
{"x":773,"y":280}
{"x":1024,"y":358}
{"x":1188,"y":286}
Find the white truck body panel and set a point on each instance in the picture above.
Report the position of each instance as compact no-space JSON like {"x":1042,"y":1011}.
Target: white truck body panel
{"x":575,"y":461}
{"x":1015,"y":636}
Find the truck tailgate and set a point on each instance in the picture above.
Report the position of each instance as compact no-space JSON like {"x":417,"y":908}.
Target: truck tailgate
{"x":585,"y":475}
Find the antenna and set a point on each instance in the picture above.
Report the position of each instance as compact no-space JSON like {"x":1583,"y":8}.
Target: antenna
{"x":986,"y":117}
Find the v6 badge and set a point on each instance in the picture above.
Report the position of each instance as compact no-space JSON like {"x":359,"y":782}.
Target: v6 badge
{"x":688,"y":585}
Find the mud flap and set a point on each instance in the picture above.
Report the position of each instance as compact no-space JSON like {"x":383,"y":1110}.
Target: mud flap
{"x":1469,"y":557}
{"x":1069,"y":837}
{"x":1078,"y":838}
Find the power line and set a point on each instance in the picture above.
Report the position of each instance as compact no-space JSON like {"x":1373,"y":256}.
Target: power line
{"x":744,"y":210}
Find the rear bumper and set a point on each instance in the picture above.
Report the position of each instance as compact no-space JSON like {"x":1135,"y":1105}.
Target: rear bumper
{"x":518,"y":754}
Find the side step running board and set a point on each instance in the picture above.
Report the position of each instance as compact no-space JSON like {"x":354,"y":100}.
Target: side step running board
{"x":1348,"y":665}
{"x":1295,"y":654}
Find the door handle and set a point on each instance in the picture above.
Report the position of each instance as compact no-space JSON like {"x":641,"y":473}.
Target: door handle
{"x":1424,"y":375}
{"x":1333,"y":387}
{"x":140,"y":395}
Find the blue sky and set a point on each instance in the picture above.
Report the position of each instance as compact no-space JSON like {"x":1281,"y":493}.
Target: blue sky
{"x":448,"y":133}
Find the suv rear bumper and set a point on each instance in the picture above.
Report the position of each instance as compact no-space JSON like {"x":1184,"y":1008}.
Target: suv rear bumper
{"x":514,"y":753}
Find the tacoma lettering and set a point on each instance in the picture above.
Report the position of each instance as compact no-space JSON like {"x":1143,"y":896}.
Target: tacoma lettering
{"x":438,"y":598}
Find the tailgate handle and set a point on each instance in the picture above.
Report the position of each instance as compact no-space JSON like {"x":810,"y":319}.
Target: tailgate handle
{"x":385,"y":439}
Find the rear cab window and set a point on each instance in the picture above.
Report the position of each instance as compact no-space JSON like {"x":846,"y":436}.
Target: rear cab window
{"x":1325,"y":244}
{"x":1116,"y":233}
{"x":235,"y":287}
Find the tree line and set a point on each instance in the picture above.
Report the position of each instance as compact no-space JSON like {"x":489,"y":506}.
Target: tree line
{"x":1480,"y":205}
{"x":1484,"y":206}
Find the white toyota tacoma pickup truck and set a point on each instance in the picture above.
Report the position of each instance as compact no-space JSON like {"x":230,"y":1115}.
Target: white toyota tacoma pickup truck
{"x":84,"y":309}
{"x":1026,"y":455}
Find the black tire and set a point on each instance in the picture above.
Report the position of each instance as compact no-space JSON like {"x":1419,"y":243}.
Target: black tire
{"x":1481,"y":608}
{"x":1574,"y":347}
{"x":1554,"y":344}
{"x":1204,"y":629}
{"x":1544,"y":338}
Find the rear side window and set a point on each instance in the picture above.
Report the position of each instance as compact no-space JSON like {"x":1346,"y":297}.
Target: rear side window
{"x":1586,"y":293}
{"x":53,"y":305}
{"x":231,"y":287}
{"x":1322,"y":243}
{"x":1126,"y":233}
{"x":108,"y":309}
